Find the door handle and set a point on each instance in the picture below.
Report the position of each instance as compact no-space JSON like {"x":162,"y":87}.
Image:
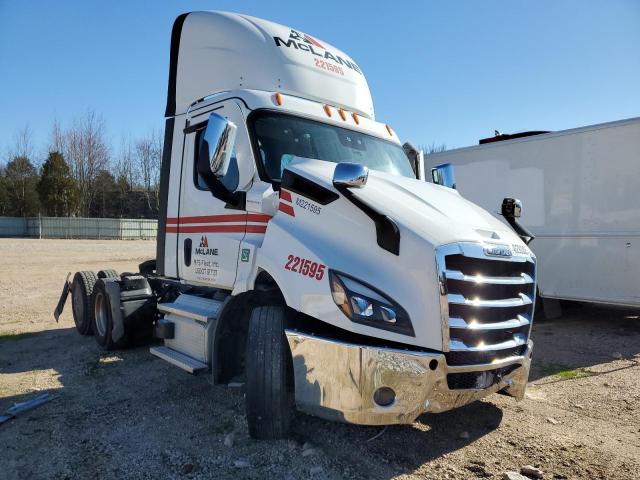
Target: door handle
{"x":187,"y":252}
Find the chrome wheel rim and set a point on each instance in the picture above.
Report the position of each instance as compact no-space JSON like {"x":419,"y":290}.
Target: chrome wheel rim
{"x":101,"y":314}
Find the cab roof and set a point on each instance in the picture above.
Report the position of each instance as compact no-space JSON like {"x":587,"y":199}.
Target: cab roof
{"x":219,"y":51}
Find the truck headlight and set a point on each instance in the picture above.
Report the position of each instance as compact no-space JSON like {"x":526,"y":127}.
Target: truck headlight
{"x":362,"y":303}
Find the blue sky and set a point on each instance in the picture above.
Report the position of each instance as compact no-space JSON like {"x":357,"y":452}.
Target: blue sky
{"x":445,"y":72}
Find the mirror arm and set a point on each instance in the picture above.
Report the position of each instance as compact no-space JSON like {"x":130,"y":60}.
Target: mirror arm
{"x":235,"y":200}
{"x":526,"y":236}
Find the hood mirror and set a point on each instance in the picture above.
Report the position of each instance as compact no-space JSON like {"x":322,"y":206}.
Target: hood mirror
{"x":217,"y":146}
{"x":443,"y":175}
{"x":511,"y":208}
{"x":350,"y":175}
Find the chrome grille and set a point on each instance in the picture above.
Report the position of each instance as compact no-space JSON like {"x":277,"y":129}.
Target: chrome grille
{"x":486,"y":303}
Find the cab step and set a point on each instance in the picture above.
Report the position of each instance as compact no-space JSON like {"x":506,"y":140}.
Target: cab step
{"x":178,"y":359}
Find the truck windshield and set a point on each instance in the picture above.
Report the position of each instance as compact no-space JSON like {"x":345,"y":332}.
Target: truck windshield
{"x":280,"y":138}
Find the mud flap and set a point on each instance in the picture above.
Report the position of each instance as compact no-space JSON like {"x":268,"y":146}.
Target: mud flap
{"x":112,"y":289}
{"x":63,"y":298}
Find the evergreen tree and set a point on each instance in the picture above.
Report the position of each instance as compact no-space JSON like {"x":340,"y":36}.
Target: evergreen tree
{"x":105,"y":196}
{"x":4,"y":197}
{"x":21,"y":179}
{"x":57,"y":190}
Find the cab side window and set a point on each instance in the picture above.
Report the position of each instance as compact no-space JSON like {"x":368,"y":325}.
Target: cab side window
{"x":230,"y":180}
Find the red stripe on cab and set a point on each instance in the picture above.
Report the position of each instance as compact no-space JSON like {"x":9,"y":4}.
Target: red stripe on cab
{"x":256,"y":228}
{"x":209,"y":219}
{"x":218,"y":229}
{"x":217,"y":223}
{"x":285,"y":208}
{"x":210,"y":229}
{"x":256,"y":217}
{"x":285,"y":195}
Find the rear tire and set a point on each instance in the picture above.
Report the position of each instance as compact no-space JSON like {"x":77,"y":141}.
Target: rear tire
{"x":268,"y":397}
{"x":81,"y":290}
{"x":109,"y":273}
{"x":101,"y":319}
{"x":147,"y":267}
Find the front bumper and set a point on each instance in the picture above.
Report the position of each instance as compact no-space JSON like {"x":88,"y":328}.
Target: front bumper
{"x":337,"y":380}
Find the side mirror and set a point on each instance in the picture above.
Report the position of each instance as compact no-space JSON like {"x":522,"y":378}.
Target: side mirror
{"x":350,"y":175}
{"x":443,"y":175}
{"x":511,"y":208}
{"x":217,"y":145}
{"x":215,"y":156}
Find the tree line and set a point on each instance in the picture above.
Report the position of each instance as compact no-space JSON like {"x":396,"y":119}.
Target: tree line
{"x":81,"y":174}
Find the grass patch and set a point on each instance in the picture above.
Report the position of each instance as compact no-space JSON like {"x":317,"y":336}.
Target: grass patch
{"x":575,"y":373}
{"x":563,"y":371}
{"x":11,"y":336}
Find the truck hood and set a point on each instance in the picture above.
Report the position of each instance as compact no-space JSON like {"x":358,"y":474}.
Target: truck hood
{"x":435,"y":213}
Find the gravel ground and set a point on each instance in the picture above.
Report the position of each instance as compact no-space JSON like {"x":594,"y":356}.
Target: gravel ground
{"x":130,"y":415}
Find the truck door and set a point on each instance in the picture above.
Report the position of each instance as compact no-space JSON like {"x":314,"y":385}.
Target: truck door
{"x":209,"y":233}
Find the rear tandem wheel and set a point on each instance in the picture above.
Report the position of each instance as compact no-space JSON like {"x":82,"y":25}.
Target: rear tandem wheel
{"x":81,"y":290}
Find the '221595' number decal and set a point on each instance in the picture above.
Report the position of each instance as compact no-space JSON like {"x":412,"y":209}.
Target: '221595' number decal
{"x":305,"y":267}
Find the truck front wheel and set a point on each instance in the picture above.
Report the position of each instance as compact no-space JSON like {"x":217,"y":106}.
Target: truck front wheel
{"x":268,"y":360}
{"x":81,"y":290}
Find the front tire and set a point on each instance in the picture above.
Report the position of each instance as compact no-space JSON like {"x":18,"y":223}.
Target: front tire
{"x":81,"y":290}
{"x":268,"y":396}
{"x":101,"y":318}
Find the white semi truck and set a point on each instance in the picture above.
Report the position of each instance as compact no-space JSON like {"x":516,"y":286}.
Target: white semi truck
{"x":300,"y":249}
{"x":580,"y":188}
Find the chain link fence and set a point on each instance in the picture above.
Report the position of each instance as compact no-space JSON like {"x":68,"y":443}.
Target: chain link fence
{"x":73,"y":227}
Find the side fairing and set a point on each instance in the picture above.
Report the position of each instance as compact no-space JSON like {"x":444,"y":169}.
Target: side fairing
{"x":170,"y":195}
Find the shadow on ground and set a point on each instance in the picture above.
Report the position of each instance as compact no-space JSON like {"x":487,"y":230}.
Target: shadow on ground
{"x":124,"y":414}
{"x":399,"y":449}
{"x":116,"y":409}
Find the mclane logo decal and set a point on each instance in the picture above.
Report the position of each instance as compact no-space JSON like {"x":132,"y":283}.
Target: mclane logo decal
{"x":306,"y":43}
{"x":498,"y":251}
{"x":204,"y":249}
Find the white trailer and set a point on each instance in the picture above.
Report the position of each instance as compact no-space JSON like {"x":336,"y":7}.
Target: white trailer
{"x":580,"y":187}
{"x":300,"y":249}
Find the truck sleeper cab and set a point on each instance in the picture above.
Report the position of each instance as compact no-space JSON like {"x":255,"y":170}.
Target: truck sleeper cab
{"x":299,"y":248}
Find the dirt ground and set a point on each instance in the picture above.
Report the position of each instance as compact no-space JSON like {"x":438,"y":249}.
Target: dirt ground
{"x":130,"y":415}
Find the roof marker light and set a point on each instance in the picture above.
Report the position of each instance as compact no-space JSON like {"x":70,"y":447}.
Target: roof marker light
{"x":356,"y":118}
{"x":327,"y":110}
{"x":278,"y":98}
{"x":389,"y":130}
{"x":343,"y":115}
